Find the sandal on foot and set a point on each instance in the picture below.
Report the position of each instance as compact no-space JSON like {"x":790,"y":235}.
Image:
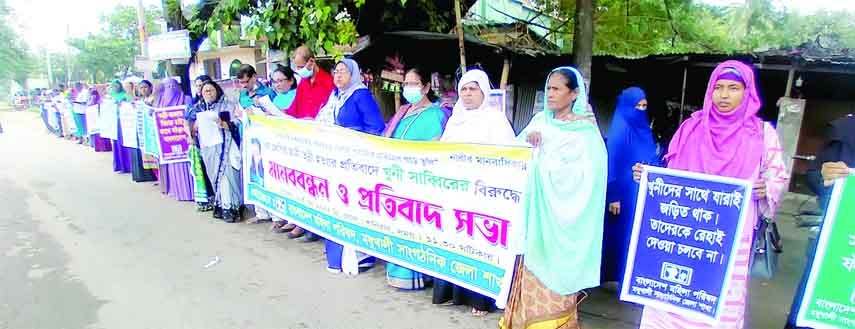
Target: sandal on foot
{"x":296,"y":233}
{"x":257,"y":220}
{"x":479,"y":313}
{"x":281,"y":227}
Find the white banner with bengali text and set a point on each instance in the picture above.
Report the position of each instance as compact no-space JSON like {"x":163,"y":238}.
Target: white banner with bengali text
{"x":451,"y":211}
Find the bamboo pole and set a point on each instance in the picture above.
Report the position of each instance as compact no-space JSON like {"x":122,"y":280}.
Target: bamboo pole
{"x":506,"y":70}
{"x":683,"y":95}
{"x":460,"y":43}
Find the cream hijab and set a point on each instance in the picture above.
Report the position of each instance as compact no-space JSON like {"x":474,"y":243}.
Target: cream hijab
{"x":483,"y":125}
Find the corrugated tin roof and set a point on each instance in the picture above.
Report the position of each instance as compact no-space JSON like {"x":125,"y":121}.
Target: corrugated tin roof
{"x":821,"y":51}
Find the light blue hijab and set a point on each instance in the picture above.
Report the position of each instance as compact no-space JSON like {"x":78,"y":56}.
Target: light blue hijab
{"x":566,"y":196}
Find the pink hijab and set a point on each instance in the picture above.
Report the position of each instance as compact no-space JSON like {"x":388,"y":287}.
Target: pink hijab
{"x":721,"y":144}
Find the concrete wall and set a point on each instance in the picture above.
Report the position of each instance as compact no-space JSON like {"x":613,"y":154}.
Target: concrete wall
{"x":226,"y":55}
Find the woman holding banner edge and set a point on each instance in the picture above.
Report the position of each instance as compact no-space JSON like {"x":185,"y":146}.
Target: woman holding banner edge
{"x":726,"y":138}
{"x":351,"y":106}
{"x":562,"y":245}
{"x":420,"y":120}
{"x":473,"y":121}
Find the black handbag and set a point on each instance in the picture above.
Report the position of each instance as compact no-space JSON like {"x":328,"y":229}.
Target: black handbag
{"x":765,"y":249}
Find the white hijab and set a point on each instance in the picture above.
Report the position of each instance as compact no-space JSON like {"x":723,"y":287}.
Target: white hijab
{"x":483,"y":125}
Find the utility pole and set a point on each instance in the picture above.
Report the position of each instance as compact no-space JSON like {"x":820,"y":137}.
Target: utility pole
{"x":68,"y":56}
{"x":143,"y":38}
{"x":49,"y":69}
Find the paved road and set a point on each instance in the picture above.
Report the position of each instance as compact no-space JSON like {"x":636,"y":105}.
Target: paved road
{"x":83,"y":247}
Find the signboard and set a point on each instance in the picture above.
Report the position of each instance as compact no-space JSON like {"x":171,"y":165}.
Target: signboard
{"x":447,"y":210}
{"x":171,"y":135}
{"x":92,"y":115}
{"x":829,"y":299}
{"x":53,"y":116}
{"x":684,"y":239}
{"x":169,"y":45}
{"x":108,"y":122}
{"x":128,"y":124}
{"x":150,"y":144}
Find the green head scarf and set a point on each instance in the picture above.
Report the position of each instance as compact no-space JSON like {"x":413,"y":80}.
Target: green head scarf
{"x":121,"y":95}
{"x":565,"y":202}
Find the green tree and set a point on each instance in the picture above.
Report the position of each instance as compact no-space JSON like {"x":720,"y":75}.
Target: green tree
{"x":122,"y":23}
{"x":645,"y":27}
{"x":321,"y":24}
{"x":16,"y":62}
{"x":103,"y":54}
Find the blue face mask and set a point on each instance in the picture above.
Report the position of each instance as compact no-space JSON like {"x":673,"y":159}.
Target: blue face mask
{"x":305,"y":72}
{"x":413,"y":95}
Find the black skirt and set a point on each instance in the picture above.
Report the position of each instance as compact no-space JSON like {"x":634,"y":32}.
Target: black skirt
{"x":138,"y":174}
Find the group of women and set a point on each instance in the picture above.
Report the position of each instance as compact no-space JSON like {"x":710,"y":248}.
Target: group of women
{"x":725,"y":138}
{"x":581,"y":190}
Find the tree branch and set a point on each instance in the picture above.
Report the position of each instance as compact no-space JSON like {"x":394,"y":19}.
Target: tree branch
{"x":671,"y":22}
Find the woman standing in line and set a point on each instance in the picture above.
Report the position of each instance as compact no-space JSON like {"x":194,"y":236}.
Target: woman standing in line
{"x":214,"y":122}
{"x":726,"y":138}
{"x":473,"y":121}
{"x":630,"y":141}
{"x":175,"y":178}
{"x":203,"y":190}
{"x":121,"y":155}
{"x":350,"y":106}
{"x":420,"y":120}
{"x":564,"y":209}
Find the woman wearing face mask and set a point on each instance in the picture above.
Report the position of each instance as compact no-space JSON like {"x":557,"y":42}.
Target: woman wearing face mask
{"x":420,"y":120}
{"x":561,"y":249}
{"x":630,"y":141}
{"x":473,"y":121}
{"x":726,"y":138}
{"x":213,"y":121}
{"x":350,"y":106}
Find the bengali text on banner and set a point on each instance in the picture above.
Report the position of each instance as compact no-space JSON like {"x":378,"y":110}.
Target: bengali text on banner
{"x":684,"y":237}
{"x":452,"y":211}
{"x":171,"y":135}
{"x":829,"y":298}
